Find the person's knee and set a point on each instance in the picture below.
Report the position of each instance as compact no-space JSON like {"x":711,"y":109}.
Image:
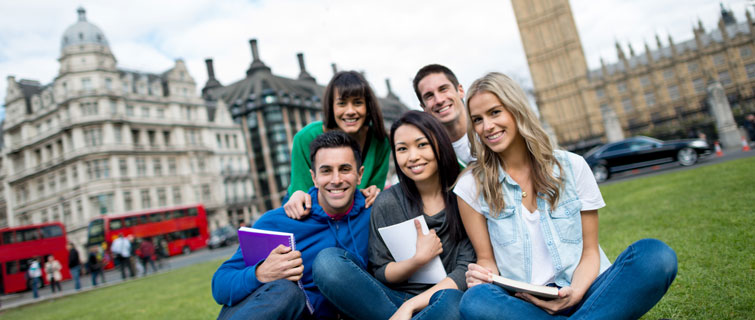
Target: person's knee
{"x":663,"y":258}
{"x":328,"y":265}
{"x":471,"y":305}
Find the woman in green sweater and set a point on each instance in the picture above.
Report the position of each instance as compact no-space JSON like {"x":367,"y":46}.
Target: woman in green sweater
{"x":351,"y":106}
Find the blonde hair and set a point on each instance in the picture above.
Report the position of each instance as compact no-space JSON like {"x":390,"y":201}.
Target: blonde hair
{"x":540,"y":150}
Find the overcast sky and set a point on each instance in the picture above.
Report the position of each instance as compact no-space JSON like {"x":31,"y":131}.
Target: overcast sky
{"x":385,"y":39}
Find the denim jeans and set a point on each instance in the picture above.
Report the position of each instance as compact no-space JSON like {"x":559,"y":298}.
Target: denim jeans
{"x":34,"y":286}
{"x":76,"y":273}
{"x":636,"y":281}
{"x":279,"y":299}
{"x":360,"y":296}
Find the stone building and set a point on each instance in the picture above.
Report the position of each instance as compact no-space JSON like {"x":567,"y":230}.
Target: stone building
{"x":100,"y":139}
{"x":271,"y":109}
{"x":660,"y":91}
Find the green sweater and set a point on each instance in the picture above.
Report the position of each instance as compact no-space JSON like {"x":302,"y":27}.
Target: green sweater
{"x":375,"y":162}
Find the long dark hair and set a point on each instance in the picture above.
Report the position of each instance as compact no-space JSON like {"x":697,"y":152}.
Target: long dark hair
{"x":352,"y":84}
{"x":448,"y":168}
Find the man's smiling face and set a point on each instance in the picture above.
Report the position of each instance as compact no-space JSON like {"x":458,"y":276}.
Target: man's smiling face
{"x":335,"y":174}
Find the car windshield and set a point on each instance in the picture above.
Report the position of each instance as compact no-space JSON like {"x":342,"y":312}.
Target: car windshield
{"x":592,"y":151}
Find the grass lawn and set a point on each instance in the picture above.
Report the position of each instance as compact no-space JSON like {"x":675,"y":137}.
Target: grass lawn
{"x":706,"y":214}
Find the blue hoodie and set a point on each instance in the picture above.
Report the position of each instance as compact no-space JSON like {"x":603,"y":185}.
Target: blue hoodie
{"x":234,"y":281}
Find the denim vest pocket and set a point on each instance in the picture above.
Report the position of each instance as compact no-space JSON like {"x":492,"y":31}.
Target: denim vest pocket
{"x":503,"y":229}
{"x":567,"y":221}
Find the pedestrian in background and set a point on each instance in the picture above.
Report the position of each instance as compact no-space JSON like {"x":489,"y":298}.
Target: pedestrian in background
{"x":147,"y":250}
{"x":74,"y":264}
{"x":35,"y":274}
{"x":94,"y":265}
{"x":121,"y":248}
{"x":133,"y":255}
{"x":52,"y":269}
{"x":750,"y":126}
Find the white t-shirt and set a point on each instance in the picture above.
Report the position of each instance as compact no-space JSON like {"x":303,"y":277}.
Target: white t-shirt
{"x":542,"y":265}
{"x":461,"y":147}
{"x":587,"y":189}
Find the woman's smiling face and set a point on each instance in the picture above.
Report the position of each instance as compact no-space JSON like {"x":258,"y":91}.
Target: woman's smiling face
{"x":350,"y":113}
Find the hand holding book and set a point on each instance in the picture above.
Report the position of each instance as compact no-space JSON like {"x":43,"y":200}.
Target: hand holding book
{"x":281,"y":263}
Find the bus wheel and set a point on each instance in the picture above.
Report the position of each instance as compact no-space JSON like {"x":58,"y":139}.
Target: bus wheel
{"x":186,"y":250}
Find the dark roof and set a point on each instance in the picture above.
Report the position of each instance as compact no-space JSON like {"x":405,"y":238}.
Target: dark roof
{"x":29,"y":88}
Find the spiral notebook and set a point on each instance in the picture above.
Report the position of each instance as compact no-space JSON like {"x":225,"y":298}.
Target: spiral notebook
{"x":256,"y":245}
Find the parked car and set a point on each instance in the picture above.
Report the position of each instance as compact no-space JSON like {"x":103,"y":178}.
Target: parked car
{"x":222,"y":237}
{"x":640,"y":152}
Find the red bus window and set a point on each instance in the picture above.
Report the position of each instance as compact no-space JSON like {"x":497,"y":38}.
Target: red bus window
{"x":116,"y":224}
{"x":193,"y":211}
{"x":8,"y":237}
{"x":11,"y":267}
{"x":51,"y":231}
{"x":180,"y":213}
{"x":156,"y":217}
{"x":143,"y":219}
{"x":168,"y":215}
{"x":130,"y":221}
{"x":28,"y":234}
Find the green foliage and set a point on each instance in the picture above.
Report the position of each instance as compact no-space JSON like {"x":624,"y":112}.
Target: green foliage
{"x":705,"y":214}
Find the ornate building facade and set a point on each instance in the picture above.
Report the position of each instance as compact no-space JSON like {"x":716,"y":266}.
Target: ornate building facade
{"x":661,"y":91}
{"x":271,"y":109}
{"x":102,"y":140}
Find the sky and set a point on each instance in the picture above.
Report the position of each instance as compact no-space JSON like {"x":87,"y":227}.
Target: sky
{"x":384,"y":39}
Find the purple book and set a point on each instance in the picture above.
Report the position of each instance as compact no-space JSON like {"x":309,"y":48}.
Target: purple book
{"x":256,"y":245}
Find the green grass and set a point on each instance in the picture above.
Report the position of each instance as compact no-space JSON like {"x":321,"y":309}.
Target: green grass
{"x":179,"y":294}
{"x":706,"y":214}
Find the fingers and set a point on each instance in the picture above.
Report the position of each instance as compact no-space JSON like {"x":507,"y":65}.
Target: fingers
{"x":418,"y":226}
{"x":307,"y":203}
{"x":280,"y":249}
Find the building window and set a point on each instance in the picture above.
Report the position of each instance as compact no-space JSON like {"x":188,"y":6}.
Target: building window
{"x":621,"y":86}
{"x":750,"y":70}
{"x":166,"y":138}
{"x":97,"y":169}
{"x":668,"y":74}
{"x":113,"y":107}
{"x":128,"y":202}
{"x":673,"y":92}
{"x":75,"y":173}
{"x":157,"y":166}
{"x":67,"y":218}
{"x":63,"y":179}
{"x":650,"y":99}
{"x":93,"y":137}
{"x":627,"y":105}
{"x":192,"y":137}
{"x":693,"y":67}
{"x":52,"y":182}
{"x":235,"y":142}
{"x":141,"y":167}
{"x":118,"y":133}
{"x":206,"y":195}
{"x":201,"y":164}
{"x":123,"y":167}
{"x":172,"y":166}
{"x":86,"y":84}
{"x":135,"y":137}
{"x":176,"y":195}
{"x":162,"y":199}
{"x":220,"y":141}
{"x":146,"y":200}
{"x":89,"y":108}
{"x":745,"y":51}
{"x":719,"y":59}
{"x":724,"y":78}
{"x":109,"y":83}
{"x":130,"y":111}
{"x":102,"y":203}
{"x":645,"y":81}
{"x":145,"y":112}
{"x":151,"y":138}
{"x":699,"y":84}
{"x":160,"y":113}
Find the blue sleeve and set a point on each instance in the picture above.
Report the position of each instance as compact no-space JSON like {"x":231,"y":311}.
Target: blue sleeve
{"x":234,"y":281}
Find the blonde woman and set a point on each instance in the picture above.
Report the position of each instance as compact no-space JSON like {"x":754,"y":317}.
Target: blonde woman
{"x":531,"y":213}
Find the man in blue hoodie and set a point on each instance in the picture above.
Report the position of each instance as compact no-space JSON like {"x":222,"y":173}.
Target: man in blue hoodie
{"x":338,"y":218}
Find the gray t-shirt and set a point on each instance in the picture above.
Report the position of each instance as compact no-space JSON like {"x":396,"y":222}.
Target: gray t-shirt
{"x":392,"y":207}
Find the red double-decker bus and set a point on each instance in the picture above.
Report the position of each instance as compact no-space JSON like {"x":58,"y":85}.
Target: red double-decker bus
{"x":18,"y":245}
{"x":184,"y":228}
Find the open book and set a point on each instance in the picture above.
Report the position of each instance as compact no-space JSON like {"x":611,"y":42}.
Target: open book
{"x":401,"y":240}
{"x":256,"y":245}
{"x":518,"y":286}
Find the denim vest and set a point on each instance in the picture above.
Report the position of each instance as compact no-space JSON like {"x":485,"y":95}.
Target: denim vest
{"x":561,"y":227}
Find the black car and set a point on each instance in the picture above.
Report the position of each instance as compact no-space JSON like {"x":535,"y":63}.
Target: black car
{"x":222,"y":237}
{"x":639,"y":152}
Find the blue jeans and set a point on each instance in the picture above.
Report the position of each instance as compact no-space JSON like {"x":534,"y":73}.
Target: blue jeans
{"x":34,"y":286}
{"x":279,"y":299}
{"x":76,"y":273}
{"x":636,"y":281}
{"x":360,"y":296}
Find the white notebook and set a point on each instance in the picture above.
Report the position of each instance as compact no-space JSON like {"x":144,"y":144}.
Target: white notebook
{"x":401,"y":240}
